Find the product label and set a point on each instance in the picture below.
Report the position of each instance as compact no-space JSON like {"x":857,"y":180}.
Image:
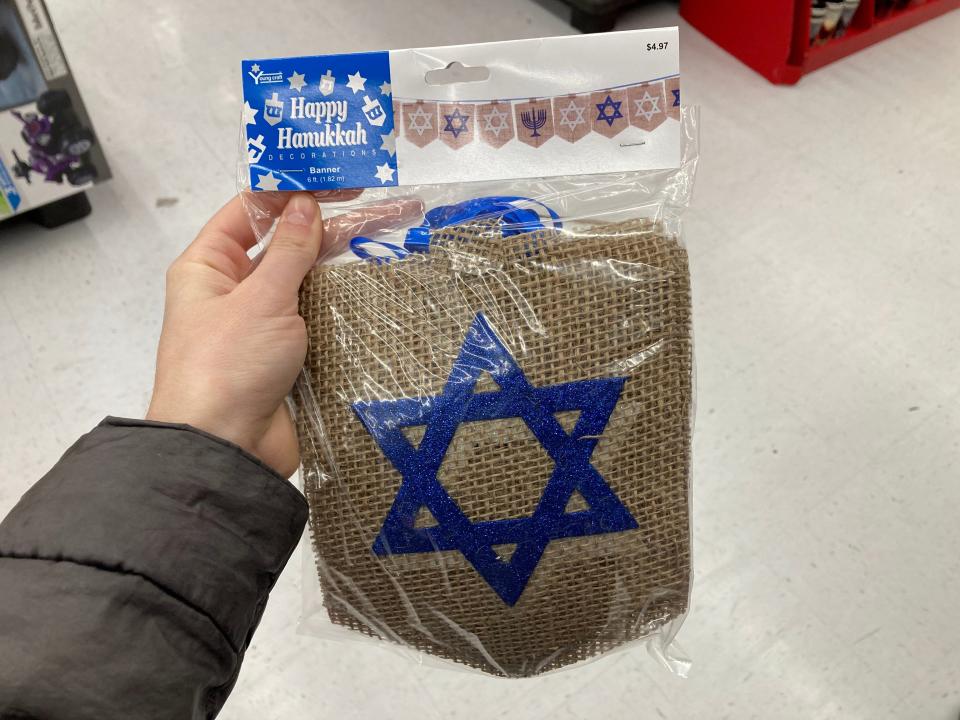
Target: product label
{"x":531,"y":108}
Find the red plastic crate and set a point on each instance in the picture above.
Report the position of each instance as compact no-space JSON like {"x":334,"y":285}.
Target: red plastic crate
{"x":773,"y":36}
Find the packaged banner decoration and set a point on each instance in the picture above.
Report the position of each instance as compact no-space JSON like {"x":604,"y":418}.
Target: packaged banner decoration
{"x":496,"y":407}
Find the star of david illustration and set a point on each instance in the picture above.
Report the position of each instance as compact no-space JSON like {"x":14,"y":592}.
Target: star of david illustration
{"x":654,"y":105}
{"x":419,"y":121}
{"x":605,"y":106}
{"x":572,"y":115}
{"x":459,"y":402}
{"x":676,"y":97}
{"x":495,"y":114}
{"x":456,"y":122}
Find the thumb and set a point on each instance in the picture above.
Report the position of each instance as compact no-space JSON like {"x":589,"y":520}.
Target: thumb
{"x":292,"y":251}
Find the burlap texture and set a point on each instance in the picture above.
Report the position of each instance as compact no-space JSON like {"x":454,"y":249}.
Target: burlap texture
{"x":603,"y":301}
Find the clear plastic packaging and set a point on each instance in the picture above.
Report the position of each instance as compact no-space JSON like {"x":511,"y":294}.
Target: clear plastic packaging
{"x":495,"y":416}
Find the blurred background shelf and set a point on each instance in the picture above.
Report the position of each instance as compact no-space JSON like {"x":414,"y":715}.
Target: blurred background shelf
{"x":773,"y":38}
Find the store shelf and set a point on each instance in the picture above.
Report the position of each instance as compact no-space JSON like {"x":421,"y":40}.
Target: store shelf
{"x":773,"y":37}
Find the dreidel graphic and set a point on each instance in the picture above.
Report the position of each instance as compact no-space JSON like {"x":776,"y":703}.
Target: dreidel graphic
{"x":374,"y":111}
{"x":255,"y":148}
{"x":273,"y":109}
{"x":327,"y":82}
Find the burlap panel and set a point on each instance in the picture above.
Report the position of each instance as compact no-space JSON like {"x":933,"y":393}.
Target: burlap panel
{"x":607,"y":300}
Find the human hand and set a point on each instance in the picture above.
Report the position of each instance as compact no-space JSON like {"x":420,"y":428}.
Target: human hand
{"x":233,"y":341}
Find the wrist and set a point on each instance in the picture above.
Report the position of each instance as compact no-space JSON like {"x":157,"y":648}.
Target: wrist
{"x":233,"y":431}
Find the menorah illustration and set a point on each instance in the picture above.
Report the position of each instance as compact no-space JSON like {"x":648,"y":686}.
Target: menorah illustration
{"x":534,"y":121}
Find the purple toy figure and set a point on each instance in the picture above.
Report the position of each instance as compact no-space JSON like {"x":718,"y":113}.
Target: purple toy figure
{"x":58,"y":142}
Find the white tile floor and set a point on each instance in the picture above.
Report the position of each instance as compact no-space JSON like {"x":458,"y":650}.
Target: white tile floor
{"x":825,"y":261}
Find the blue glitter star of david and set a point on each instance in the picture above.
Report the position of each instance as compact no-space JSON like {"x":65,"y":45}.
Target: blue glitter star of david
{"x":456,"y":122}
{"x":607,"y":105}
{"x":676,"y":97}
{"x":482,"y":351}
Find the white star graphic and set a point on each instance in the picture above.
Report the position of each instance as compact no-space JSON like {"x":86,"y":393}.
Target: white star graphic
{"x":652,"y":110}
{"x":255,"y":68}
{"x":249,"y":114}
{"x":384,"y":173}
{"x":385,"y":89}
{"x":419,"y":120}
{"x":388,"y":142}
{"x":576,"y":111}
{"x":268,"y":182}
{"x":500,"y":116}
{"x":297,"y":81}
{"x":355,"y":82}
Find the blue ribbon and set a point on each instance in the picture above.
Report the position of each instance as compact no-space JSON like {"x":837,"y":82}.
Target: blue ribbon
{"x":513,"y":219}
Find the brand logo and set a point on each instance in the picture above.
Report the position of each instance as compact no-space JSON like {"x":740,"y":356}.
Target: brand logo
{"x":264,"y":78}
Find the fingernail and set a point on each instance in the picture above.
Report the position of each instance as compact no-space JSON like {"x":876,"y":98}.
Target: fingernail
{"x":301,"y":210}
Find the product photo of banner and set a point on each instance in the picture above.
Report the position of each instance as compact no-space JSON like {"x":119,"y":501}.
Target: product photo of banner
{"x":606,"y":112}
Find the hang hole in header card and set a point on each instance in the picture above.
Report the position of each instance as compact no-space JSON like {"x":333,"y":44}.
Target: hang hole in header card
{"x":457,"y":72}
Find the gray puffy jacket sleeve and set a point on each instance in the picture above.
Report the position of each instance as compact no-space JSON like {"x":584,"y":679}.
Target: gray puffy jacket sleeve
{"x":133,"y":575}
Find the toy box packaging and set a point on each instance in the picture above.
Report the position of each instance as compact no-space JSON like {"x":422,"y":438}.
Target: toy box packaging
{"x":48,"y":148}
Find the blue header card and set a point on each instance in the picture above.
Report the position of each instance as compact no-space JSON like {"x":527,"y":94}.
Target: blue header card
{"x":319,"y":123}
